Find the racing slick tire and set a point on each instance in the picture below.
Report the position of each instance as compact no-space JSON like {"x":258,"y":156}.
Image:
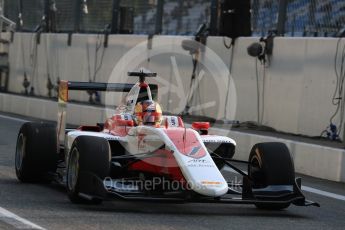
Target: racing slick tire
{"x":271,"y":164}
{"x":36,"y":152}
{"x":89,"y":156}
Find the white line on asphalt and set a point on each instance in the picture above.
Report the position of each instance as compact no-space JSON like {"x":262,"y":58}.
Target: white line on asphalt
{"x":323,"y":193}
{"x":9,"y":217}
{"x":17,"y":221}
{"x":305,"y":188}
{"x":13,"y":118}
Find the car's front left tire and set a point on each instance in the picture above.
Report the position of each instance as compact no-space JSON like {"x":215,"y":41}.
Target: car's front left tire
{"x":271,"y":164}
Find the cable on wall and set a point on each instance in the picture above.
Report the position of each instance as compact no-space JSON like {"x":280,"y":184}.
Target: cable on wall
{"x":100,"y":47}
{"x":334,"y":129}
{"x":33,"y":62}
{"x":262,"y":51}
{"x":50,"y":85}
{"x":232,"y":47}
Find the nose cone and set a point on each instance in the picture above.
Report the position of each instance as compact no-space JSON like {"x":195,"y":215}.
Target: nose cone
{"x":200,"y":171}
{"x":212,"y":188}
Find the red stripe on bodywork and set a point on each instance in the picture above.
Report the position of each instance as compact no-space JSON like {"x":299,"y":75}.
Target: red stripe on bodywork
{"x":186,"y":142}
{"x":162,"y":164}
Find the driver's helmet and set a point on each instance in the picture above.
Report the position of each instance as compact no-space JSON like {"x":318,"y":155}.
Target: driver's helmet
{"x":148,"y":112}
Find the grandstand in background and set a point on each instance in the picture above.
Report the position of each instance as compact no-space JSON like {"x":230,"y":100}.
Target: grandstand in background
{"x":304,"y":17}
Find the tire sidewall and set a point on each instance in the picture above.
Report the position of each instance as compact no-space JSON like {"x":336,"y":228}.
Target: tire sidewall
{"x":275,"y":162}
{"x":93,"y":157}
{"x":39,"y":152}
{"x":276,"y":166}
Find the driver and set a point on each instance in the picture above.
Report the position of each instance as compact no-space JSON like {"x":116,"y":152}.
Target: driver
{"x":148,"y":112}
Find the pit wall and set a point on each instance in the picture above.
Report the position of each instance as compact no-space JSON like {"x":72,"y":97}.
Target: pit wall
{"x":299,"y":80}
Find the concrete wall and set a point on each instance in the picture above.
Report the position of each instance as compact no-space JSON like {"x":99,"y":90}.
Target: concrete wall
{"x":299,"y":81}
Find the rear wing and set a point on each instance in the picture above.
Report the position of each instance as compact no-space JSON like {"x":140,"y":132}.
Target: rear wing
{"x":99,"y":86}
{"x":66,"y":86}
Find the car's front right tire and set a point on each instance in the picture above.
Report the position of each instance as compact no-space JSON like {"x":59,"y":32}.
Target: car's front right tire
{"x":36,"y":152}
{"x":90,"y":155}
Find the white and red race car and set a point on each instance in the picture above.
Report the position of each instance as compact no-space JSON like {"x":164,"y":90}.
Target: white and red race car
{"x":139,"y":154}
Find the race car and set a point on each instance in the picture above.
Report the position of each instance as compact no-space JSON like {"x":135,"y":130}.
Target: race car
{"x":141,"y":154}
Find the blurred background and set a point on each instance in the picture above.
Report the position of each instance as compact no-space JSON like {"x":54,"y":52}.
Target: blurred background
{"x":173,"y":17}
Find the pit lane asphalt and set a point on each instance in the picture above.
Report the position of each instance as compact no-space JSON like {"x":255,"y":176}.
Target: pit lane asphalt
{"x":49,"y":207}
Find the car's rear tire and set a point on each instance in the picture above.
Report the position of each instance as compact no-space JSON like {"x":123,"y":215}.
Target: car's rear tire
{"x":91,"y":155}
{"x":36,"y":152}
{"x":271,"y":164}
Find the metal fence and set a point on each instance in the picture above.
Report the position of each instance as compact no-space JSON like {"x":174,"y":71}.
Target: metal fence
{"x":303,"y":17}
{"x":315,"y":17}
{"x":174,"y":17}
